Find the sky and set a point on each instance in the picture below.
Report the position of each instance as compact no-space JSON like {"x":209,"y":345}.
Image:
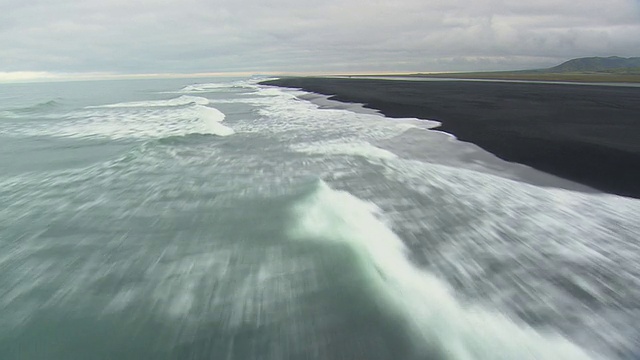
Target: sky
{"x":86,"y":38}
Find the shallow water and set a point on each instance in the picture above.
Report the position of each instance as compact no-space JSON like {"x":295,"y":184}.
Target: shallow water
{"x":219,"y":218}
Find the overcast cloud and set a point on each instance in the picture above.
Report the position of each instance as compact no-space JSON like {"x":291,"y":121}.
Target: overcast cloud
{"x":186,"y":36}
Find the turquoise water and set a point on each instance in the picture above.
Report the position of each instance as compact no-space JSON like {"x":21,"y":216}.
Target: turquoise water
{"x":217,"y":218}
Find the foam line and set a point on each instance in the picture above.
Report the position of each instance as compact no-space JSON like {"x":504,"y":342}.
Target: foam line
{"x":179,"y":101}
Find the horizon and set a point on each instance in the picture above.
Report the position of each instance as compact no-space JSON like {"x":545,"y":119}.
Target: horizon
{"x":40,"y":77}
{"x":43,"y":77}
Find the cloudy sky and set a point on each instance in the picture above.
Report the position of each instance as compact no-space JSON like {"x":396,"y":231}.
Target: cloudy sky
{"x":45,"y":37}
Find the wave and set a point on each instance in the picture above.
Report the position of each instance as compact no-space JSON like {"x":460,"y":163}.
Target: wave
{"x":131,"y":123}
{"x":179,"y":101}
{"x":202,"y":88}
{"x":284,"y":113}
{"x":440,"y":324}
{"x":211,"y":117}
{"x":41,"y":107}
{"x":220,"y":86}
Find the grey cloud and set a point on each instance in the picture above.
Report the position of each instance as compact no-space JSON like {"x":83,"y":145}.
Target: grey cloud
{"x":286,"y":35}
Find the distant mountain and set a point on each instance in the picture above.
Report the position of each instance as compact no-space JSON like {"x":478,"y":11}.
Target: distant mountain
{"x":613,"y":69}
{"x":612,"y":64}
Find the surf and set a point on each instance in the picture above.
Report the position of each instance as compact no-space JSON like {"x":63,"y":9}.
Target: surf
{"x":131,"y":121}
{"x":179,"y":101}
{"x":440,"y":324}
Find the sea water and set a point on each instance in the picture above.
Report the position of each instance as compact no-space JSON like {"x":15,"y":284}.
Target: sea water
{"x":223,"y":219}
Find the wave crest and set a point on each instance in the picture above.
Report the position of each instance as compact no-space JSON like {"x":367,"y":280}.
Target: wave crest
{"x":179,"y":101}
{"x":211,"y":118}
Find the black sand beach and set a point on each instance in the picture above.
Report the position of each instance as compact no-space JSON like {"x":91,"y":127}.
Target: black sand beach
{"x":585,"y":133}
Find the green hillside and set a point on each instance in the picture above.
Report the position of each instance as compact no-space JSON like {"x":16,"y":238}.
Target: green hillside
{"x":588,"y":69}
{"x":598,"y":64}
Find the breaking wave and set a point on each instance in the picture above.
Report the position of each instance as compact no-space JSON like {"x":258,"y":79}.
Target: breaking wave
{"x":212,"y":118}
{"x":39,"y":108}
{"x":440,"y":325}
{"x":130,"y":122}
{"x":179,"y":101}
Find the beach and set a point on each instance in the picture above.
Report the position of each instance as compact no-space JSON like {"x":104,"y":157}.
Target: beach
{"x":589,"y":134}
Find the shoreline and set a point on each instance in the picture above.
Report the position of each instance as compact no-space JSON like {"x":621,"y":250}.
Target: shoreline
{"x":589,"y":135}
{"x":599,"y":79}
{"x":457,"y":153}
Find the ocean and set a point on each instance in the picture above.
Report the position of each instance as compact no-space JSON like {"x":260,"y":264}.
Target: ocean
{"x":222,"y":219}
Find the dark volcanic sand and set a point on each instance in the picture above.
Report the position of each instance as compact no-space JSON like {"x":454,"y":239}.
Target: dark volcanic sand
{"x":586,"y":133}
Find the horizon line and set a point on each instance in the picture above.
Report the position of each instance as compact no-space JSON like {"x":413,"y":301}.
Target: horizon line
{"x":12,"y":77}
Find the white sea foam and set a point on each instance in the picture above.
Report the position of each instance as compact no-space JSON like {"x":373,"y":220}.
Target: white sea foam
{"x":440,"y":322}
{"x":131,"y":122}
{"x":203,"y":88}
{"x":446,"y":133}
{"x":427,"y":124}
{"x":558,"y":248}
{"x":179,"y":101}
{"x":287,"y":104}
{"x":218,"y":86}
{"x":211,"y":118}
{"x":338,"y":147}
{"x":298,"y":121}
